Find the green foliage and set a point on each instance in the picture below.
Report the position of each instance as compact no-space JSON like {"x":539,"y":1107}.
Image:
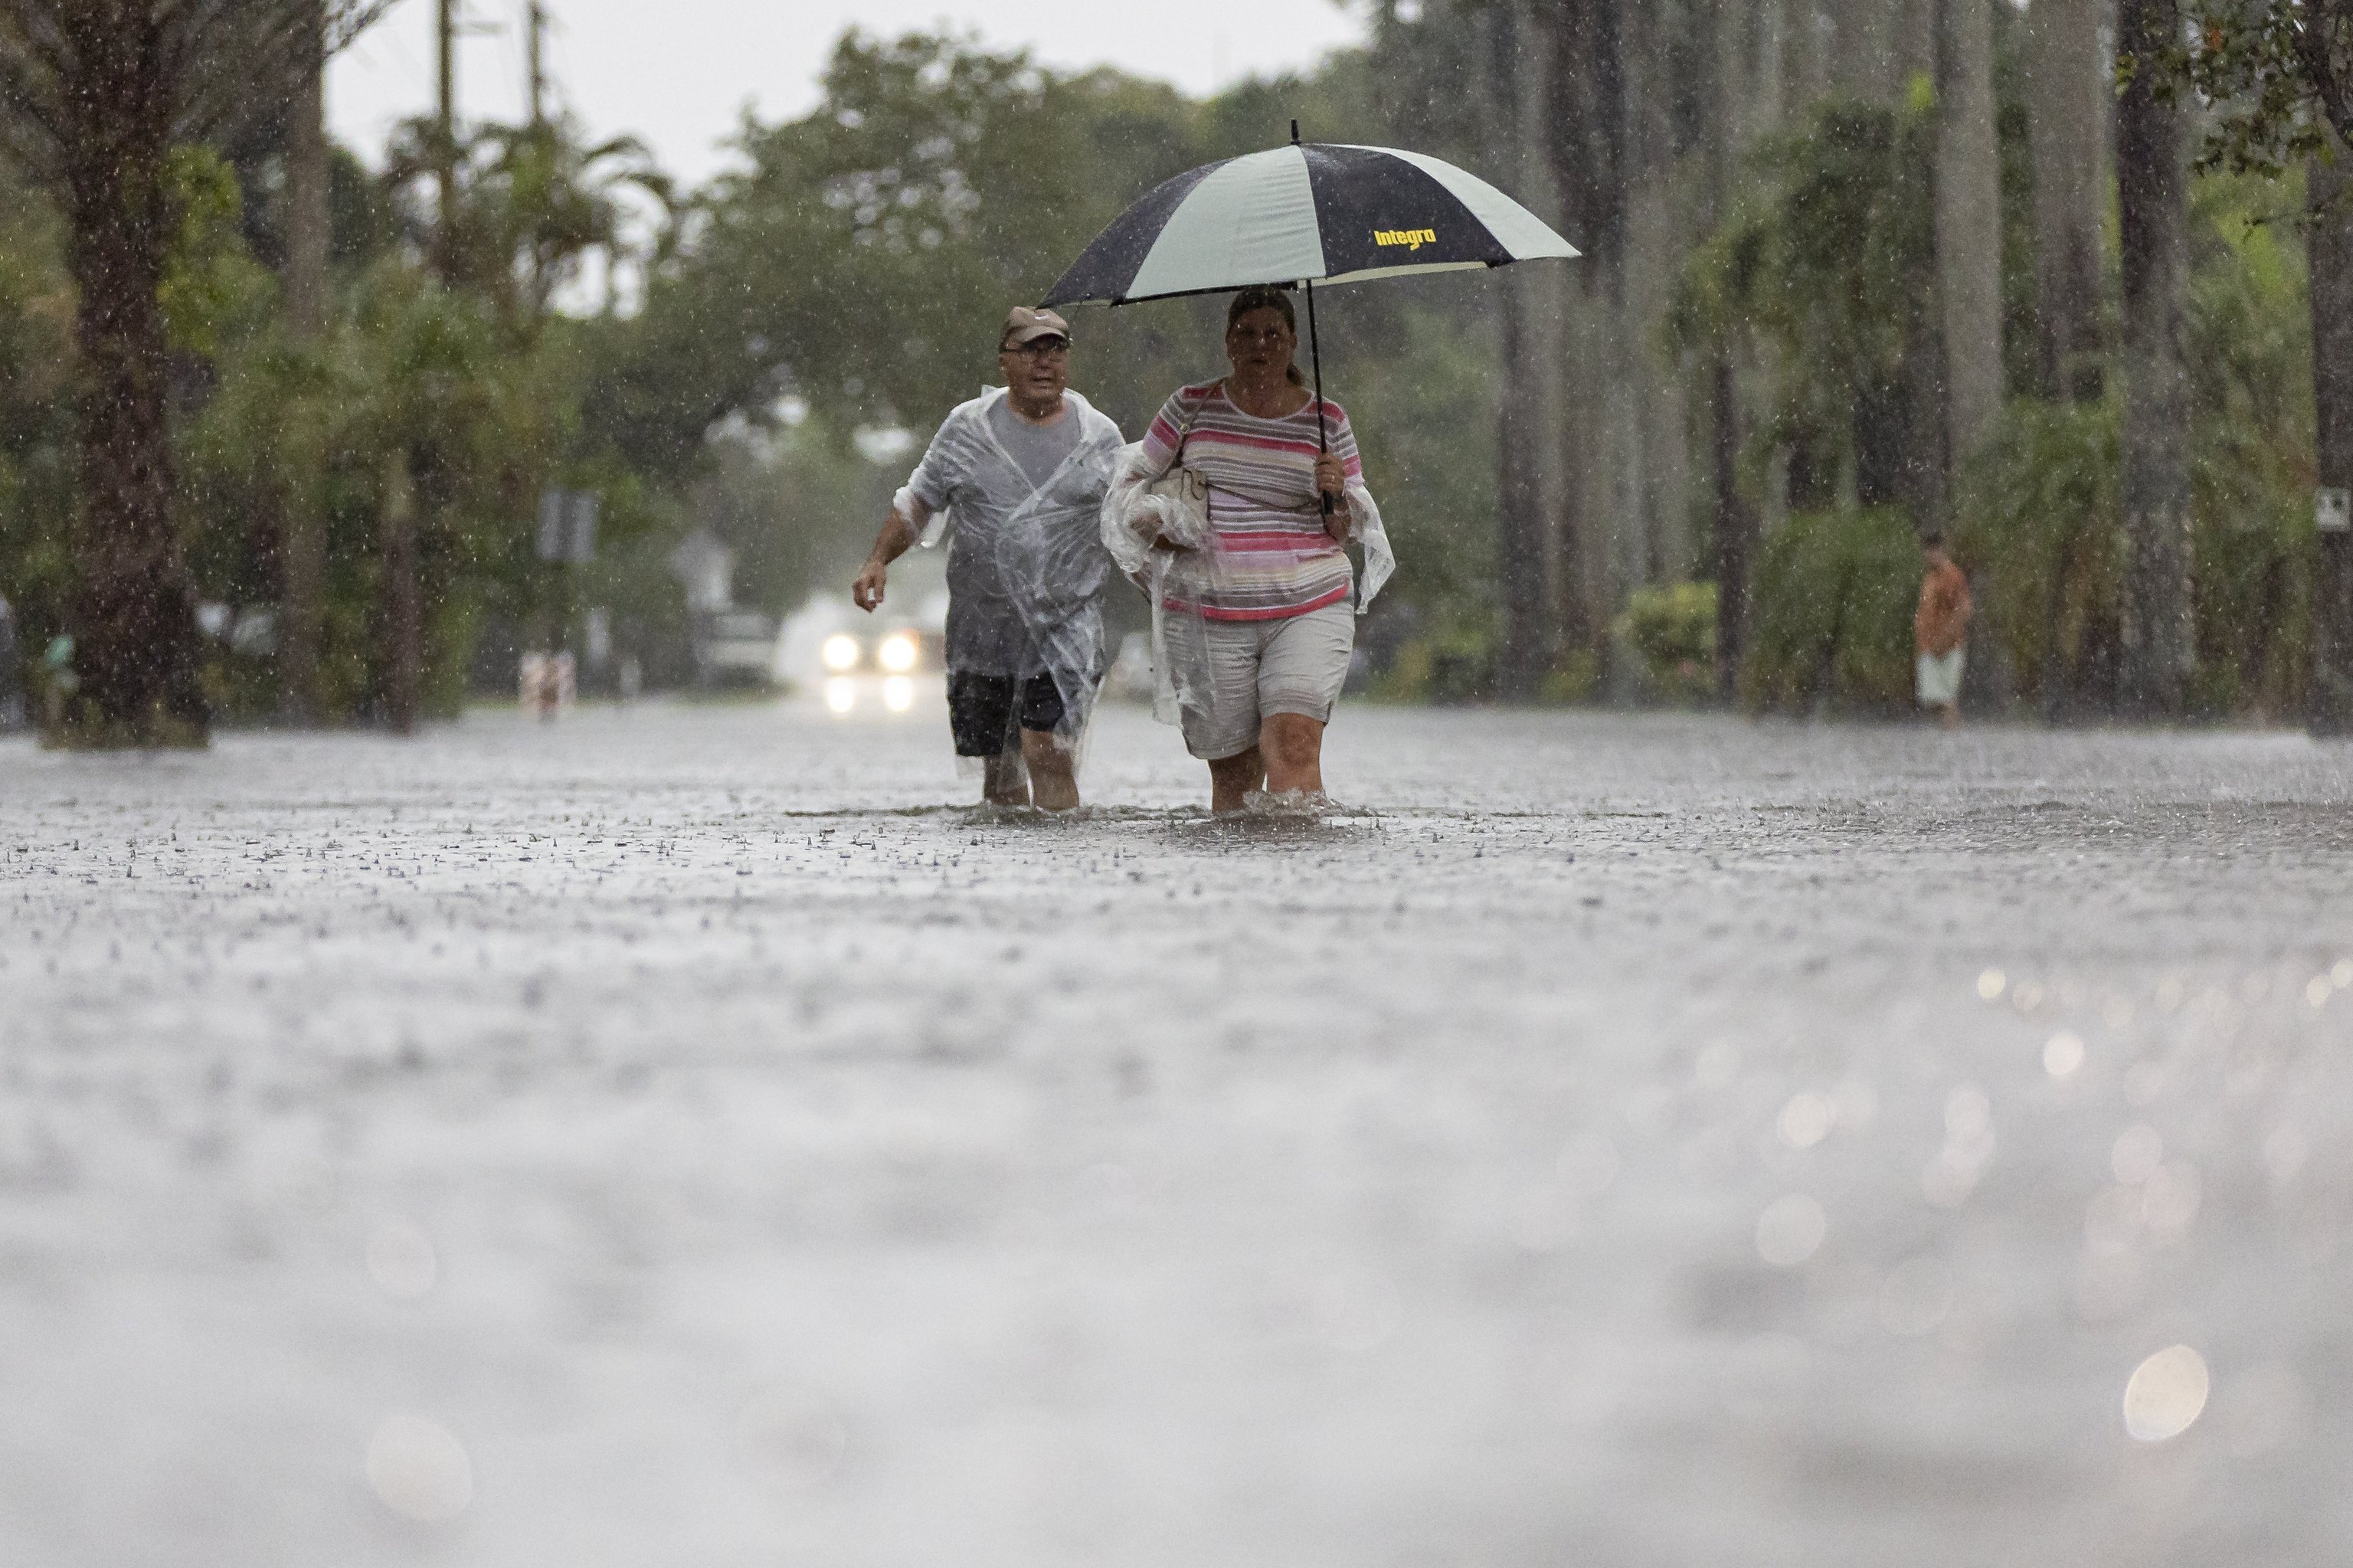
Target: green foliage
{"x":2039,"y":515}
{"x":1672,"y":629}
{"x":36,"y":368}
{"x":1834,"y":596}
{"x":2274,"y":75}
{"x":1831,"y":261}
{"x":211,"y":285}
{"x":2042,"y":535}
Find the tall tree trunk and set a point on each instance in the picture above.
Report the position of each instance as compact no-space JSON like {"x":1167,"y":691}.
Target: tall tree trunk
{"x":302,"y":540}
{"x":1587,"y":149}
{"x":1734,"y":526}
{"x":134,"y":626}
{"x":2330,"y":244}
{"x":1968,"y":226}
{"x":2068,"y":98}
{"x":403,"y":599}
{"x":1525,"y":526}
{"x":2152,"y":179}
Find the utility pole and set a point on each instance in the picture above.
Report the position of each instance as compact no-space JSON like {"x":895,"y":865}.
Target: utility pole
{"x":444,"y":141}
{"x":535,"y":29}
{"x":302,"y":544}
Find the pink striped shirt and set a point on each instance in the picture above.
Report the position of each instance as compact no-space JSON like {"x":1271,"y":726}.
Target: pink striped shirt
{"x":1274,"y":557}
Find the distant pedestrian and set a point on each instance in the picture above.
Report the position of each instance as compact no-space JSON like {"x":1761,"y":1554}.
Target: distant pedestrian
{"x":1940,"y":628}
{"x":1021,"y":469}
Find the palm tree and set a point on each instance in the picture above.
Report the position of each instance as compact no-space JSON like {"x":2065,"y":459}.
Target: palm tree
{"x":94,"y":94}
{"x":2153,"y":185}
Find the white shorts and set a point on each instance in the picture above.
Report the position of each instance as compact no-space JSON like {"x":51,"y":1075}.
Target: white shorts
{"x":1940,"y":679}
{"x":1293,"y":665}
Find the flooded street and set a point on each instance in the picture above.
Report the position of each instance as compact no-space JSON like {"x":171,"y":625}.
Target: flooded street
{"x":688,"y":1135}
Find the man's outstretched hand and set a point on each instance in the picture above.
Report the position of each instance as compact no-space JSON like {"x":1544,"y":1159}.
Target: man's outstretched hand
{"x":867,"y":592}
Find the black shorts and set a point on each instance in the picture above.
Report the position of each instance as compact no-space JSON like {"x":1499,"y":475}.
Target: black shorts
{"x":981,"y":710}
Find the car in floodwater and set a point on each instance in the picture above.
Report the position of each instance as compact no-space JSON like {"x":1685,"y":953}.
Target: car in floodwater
{"x":852,"y":661}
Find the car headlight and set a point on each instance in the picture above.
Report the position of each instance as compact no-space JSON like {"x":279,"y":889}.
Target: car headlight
{"x":840,"y":652}
{"x":898,"y":652}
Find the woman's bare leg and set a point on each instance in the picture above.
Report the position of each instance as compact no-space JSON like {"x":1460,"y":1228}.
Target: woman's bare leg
{"x":1232,"y":777}
{"x":1053,"y":773}
{"x":1293,"y":745}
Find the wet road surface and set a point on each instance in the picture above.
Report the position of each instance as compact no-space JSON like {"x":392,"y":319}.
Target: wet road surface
{"x":689,"y":1136}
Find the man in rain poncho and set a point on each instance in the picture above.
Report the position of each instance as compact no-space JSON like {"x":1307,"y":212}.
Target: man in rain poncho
{"x":1021,"y":471}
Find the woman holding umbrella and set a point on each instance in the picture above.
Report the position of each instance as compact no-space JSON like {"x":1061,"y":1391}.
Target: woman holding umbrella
{"x":1251,"y":631}
{"x":1275,"y":595}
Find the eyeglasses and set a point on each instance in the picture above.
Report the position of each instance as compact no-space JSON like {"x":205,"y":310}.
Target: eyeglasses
{"x":1040,"y":348}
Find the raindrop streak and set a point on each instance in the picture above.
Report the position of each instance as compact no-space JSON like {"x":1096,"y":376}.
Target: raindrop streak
{"x":1790,"y":1230}
{"x":2166,"y":1394}
{"x":420,"y":1470}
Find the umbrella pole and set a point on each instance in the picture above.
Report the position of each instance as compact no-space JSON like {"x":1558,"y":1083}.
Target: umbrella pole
{"x":1315,"y":357}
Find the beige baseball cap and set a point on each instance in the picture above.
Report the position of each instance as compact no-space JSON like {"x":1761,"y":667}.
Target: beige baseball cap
{"x":1023,"y":324}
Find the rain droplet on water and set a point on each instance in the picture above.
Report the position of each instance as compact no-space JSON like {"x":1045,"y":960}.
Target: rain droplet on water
{"x":788,"y":1437}
{"x":401,"y":1260}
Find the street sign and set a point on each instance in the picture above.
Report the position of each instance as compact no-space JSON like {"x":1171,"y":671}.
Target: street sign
{"x":568,"y":526}
{"x":2333,"y":511}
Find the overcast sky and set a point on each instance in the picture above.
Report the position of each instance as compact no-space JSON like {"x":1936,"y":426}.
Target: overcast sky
{"x":679,"y":73}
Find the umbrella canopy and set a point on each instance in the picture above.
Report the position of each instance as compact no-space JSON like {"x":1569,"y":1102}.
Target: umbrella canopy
{"x":1306,"y":213}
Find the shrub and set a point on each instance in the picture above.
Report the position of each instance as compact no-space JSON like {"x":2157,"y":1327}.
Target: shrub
{"x":2041,"y":532}
{"x":1833,"y":600}
{"x":1672,"y":629}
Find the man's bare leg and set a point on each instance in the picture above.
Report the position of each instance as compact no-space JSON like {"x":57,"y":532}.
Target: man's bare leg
{"x":1233,"y":777}
{"x":1053,"y":771}
{"x":1004,"y":781}
{"x":1293,"y":745}
{"x":1949,"y":714}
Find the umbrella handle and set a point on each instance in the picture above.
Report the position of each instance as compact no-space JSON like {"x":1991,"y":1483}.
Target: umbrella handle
{"x":1315,"y":357}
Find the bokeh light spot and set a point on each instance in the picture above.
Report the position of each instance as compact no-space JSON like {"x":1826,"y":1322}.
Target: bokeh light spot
{"x":2166,"y":1394}
{"x":2138,"y":1153}
{"x":1790,"y":1230}
{"x":420,"y":1470}
{"x":2063,"y":1054}
{"x":1806,"y":1120}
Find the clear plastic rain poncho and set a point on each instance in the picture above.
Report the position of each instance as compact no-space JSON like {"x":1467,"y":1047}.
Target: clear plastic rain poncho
{"x":1027,"y":567}
{"x":1182,"y":576}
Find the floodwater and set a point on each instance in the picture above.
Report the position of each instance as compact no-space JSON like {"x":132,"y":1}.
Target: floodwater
{"x":688,"y":1136}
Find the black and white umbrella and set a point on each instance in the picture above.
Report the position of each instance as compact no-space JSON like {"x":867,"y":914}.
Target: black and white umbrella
{"x":1302,"y":215}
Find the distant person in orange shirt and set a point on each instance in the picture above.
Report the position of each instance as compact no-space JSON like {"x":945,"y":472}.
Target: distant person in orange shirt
{"x":1939,"y":629}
